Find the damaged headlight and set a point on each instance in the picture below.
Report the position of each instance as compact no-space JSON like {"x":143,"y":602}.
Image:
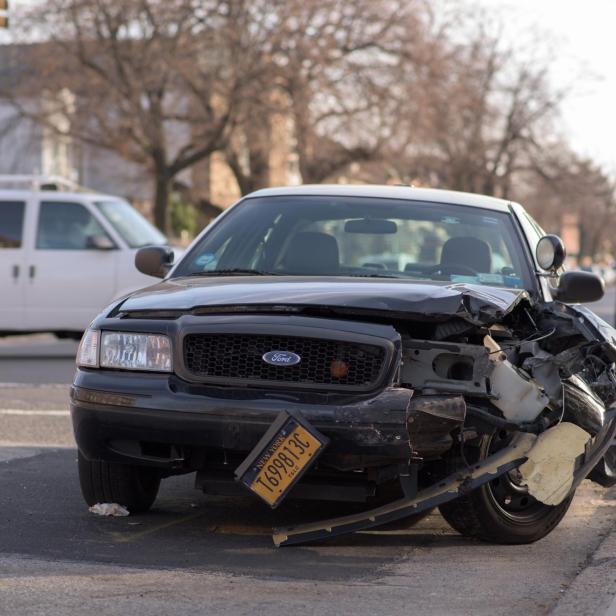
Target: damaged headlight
{"x":125,"y":351}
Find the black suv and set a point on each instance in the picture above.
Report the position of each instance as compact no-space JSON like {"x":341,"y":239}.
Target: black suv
{"x":405,"y":347}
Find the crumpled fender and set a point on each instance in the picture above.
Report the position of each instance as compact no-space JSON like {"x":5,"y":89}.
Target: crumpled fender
{"x":550,"y":469}
{"x":594,"y":329}
{"x":457,"y":484}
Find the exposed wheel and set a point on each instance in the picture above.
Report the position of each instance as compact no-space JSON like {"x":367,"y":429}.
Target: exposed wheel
{"x":134,"y":487}
{"x":502,"y":511}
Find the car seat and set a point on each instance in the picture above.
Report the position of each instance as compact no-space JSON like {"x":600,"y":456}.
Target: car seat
{"x":468,"y":252}
{"x":312,"y":253}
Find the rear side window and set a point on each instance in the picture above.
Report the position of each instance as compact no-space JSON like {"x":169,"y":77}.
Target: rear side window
{"x":11,"y":223}
{"x":66,"y":226}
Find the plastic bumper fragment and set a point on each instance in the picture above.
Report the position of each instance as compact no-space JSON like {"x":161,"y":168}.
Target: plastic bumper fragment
{"x":455,"y":485}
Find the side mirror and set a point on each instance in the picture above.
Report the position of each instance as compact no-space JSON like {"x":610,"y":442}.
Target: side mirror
{"x":579,"y":287}
{"x":100,"y":242}
{"x":550,"y":253}
{"x":154,"y":260}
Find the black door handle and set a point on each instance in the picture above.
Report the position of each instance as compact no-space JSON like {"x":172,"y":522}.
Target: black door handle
{"x":32,"y":271}
{"x":16,"y":271}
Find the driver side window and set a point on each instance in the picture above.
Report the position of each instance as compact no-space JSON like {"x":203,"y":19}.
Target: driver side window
{"x":66,"y":226}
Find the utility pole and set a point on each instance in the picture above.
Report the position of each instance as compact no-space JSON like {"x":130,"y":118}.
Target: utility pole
{"x":4,"y":17}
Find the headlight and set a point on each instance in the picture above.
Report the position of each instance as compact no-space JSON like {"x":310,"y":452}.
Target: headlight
{"x":87,"y":353}
{"x":135,"y":351}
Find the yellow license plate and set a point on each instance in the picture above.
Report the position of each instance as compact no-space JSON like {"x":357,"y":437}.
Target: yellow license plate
{"x":288,"y":449}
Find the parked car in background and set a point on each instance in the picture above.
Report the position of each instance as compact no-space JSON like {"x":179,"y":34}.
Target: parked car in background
{"x":604,"y":271}
{"x":608,"y":274}
{"x":65,"y":254}
{"x":275,"y":358}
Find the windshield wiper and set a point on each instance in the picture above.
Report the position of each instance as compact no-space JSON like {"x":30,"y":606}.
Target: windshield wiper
{"x":235,"y":271}
{"x":375,"y":276}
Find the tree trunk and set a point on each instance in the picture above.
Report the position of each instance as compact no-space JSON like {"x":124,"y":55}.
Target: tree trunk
{"x":161,"y":200}
{"x":583,"y":242}
{"x":256,"y":176}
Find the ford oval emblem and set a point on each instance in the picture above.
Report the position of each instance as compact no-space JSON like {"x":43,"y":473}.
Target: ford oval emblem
{"x":281,"y":358}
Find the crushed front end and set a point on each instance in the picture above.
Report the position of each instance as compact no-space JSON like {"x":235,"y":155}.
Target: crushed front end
{"x":426,"y":403}
{"x":221,"y":398}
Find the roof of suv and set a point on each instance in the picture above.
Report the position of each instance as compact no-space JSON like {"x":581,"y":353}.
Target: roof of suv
{"x":409,"y":193}
{"x":53,"y":195}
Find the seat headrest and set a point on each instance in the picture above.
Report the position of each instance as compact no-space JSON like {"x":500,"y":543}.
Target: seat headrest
{"x":469,"y":251}
{"x":311,"y":252}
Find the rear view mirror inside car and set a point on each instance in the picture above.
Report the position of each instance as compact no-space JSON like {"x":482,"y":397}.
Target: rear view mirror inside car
{"x":371,"y":225}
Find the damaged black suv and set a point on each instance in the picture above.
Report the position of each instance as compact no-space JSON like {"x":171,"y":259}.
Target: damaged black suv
{"x":404,"y":347}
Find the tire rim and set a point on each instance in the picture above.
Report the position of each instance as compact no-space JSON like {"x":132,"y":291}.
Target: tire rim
{"x":507,"y":493}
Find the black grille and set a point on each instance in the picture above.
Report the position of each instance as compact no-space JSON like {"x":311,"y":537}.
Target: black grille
{"x":221,"y":357}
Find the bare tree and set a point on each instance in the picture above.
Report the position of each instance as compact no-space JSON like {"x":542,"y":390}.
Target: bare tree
{"x":478,"y":113}
{"x":400,"y":88}
{"x":328,"y":66}
{"x":336,"y":60}
{"x":156,"y":82}
{"x":562,"y":182}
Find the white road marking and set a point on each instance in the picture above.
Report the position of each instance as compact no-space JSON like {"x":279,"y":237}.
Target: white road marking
{"x":37,"y":412}
{"x":32,"y":445}
{"x":34,"y":385}
{"x":14,"y":453}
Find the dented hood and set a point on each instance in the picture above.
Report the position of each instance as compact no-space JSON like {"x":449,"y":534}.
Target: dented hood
{"x":434,"y":301}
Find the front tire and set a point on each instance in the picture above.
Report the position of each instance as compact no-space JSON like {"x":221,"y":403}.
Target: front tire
{"x":133,"y":487}
{"x":502,"y":511}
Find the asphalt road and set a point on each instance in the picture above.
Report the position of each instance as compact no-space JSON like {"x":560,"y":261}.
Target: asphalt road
{"x":40,"y":359}
{"x":200,"y":554}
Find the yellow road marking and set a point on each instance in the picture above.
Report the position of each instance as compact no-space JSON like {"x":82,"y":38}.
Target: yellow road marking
{"x":222,"y":529}
{"x":230,"y":529}
{"x":122,"y":538}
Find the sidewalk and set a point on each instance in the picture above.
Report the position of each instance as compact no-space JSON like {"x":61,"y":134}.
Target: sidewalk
{"x":593,"y":591}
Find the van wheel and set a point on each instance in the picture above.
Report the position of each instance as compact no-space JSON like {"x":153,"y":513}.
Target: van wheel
{"x":69,"y":335}
{"x":502,"y":511}
{"x":133,"y":487}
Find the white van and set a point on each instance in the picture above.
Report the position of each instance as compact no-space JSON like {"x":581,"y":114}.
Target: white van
{"x":65,"y":254}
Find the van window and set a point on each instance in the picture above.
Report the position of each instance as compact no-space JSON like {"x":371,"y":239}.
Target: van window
{"x":11,"y":223}
{"x":130,"y":224}
{"x":66,"y":226}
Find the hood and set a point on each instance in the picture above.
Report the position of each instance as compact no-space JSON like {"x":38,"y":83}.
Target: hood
{"x":475,"y":303}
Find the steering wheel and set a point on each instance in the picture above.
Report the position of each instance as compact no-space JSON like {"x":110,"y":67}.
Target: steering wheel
{"x":453,"y":268}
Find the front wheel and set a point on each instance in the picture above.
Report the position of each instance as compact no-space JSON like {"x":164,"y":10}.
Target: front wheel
{"x":502,"y":511}
{"x":133,"y":487}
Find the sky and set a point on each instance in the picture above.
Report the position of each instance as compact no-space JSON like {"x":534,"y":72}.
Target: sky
{"x":583,"y":36}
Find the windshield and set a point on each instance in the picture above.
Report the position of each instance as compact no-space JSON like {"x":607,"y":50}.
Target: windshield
{"x":367,"y":237}
{"x":130,"y":224}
